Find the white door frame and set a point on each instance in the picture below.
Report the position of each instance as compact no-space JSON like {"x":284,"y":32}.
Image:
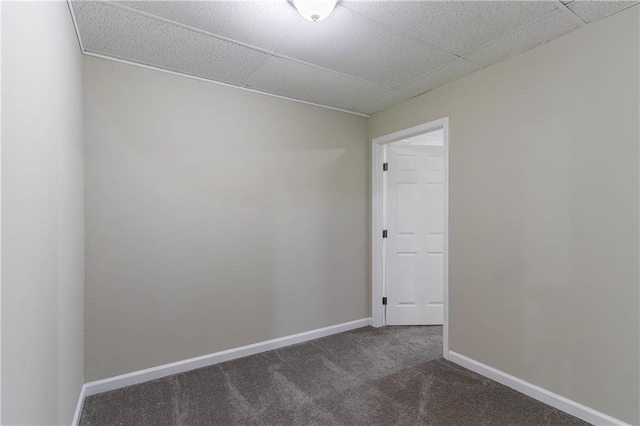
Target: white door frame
{"x":378,"y":220}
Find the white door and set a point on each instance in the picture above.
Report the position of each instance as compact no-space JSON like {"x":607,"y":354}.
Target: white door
{"x":414,"y":258}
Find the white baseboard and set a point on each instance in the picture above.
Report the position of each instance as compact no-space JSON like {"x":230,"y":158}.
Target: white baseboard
{"x":153,"y":373}
{"x":536,"y":392}
{"x":76,"y":415}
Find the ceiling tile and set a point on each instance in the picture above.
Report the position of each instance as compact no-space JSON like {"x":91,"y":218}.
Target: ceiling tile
{"x":112,"y":31}
{"x":525,"y":38}
{"x":351,"y":44}
{"x":456,"y":26}
{"x":350,"y":61}
{"x":591,"y":10}
{"x":300,"y":81}
{"x":443,"y":75}
{"x":263,"y":24}
{"x":380,"y":104}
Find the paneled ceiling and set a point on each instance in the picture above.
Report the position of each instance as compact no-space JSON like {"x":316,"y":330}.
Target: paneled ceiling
{"x":365,"y":57}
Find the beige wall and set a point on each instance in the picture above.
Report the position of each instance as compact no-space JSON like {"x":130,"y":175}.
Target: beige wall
{"x":216,"y":218}
{"x":42,"y":214}
{"x":544,"y":213}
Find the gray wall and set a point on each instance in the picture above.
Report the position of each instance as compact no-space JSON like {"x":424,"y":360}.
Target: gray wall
{"x":544,"y":213}
{"x":42,"y":214}
{"x":216,"y":218}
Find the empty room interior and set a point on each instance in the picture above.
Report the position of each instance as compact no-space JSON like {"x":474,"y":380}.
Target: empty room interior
{"x":320,"y":212}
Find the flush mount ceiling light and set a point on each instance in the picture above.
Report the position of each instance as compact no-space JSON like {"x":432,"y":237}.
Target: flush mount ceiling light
{"x":314,"y":10}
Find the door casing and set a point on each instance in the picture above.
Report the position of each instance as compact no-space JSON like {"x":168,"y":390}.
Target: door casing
{"x":378,"y":220}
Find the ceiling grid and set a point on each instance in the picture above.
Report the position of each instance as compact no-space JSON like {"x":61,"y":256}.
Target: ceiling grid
{"x":365,"y":57}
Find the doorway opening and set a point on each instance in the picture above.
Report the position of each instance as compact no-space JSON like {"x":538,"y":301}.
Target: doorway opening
{"x":410,"y":227}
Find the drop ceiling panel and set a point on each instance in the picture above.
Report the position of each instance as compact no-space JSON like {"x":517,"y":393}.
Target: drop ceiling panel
{"x":112,"y":31}
{"x":524,"y":38}
{"x":263,"y":24}
{"x":352,"y":44}
{"x":591,"y":10}
{"x":455,"y":26}
{"x":301,"y":81}
{"x":384,"y":102}
{"x":453,"y":70}
{"x":367,"y":56}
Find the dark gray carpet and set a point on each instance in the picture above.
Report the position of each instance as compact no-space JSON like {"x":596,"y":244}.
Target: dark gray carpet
{"x":384,"y":376}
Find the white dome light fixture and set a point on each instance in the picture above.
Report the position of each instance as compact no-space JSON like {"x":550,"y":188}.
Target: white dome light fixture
{"x":314,"y":10}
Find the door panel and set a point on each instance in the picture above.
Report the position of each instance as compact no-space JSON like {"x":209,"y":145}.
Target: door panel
{"x":414,"y":249}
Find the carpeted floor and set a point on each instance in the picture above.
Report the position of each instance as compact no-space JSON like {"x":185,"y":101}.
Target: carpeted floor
{"x":384,"y":376}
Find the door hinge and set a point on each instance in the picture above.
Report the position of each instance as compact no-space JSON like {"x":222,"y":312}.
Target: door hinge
{"x":384,"y":234}
{"x":384,"y":300}
{"x":385,"y":167}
